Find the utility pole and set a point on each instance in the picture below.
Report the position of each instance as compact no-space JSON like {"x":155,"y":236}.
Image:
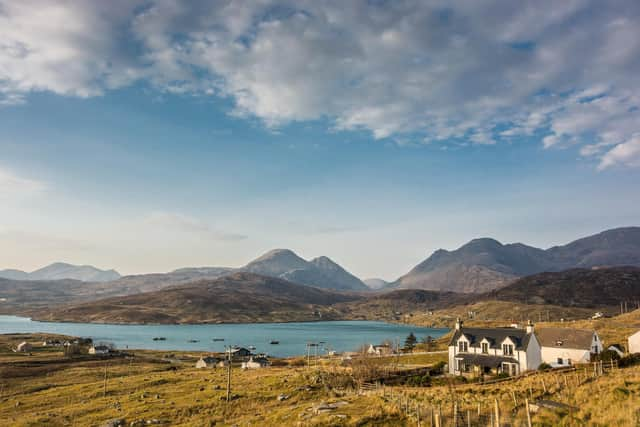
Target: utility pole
{"x":106,"y":363}
{"x":229,"y":374}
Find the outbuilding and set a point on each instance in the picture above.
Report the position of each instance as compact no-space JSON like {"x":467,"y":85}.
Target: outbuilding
{"x":566,"y":346}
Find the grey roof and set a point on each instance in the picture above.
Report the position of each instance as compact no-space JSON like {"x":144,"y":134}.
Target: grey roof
{"x":565,"y":337}
{"x":495,"y":336}
{"x":484,"y":359}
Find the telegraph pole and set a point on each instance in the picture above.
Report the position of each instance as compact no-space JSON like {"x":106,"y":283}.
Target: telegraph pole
{"x":229,"y":374}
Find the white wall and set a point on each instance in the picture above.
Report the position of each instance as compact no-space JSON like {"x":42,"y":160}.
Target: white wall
{"x":634,"y":343}
{"x":550,"y":355}
{"x":533,"y":355}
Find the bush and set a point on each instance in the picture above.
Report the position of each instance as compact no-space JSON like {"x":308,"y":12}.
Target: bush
{"x":630,"y":360}
{"x":608,"y":355}
{"x":544,"y":367}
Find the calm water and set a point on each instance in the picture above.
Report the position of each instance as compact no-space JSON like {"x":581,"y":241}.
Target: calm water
{"x":339,"y":336}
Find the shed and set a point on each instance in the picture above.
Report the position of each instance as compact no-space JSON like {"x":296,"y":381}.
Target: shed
{"x":207,"y":362}
{"x":24,"y":347}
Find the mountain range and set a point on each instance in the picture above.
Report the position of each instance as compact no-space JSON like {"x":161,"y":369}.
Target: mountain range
{"x":60,"y":271}
{"x":486,"y":264}
{"x":480,"y":265}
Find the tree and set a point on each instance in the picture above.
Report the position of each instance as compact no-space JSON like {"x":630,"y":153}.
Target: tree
{"x":410,"y":342}
{"x":428,"y":342}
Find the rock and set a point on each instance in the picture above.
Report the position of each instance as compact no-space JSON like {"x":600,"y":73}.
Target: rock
{"x":282,"y":397}
{"x":117,"y":422}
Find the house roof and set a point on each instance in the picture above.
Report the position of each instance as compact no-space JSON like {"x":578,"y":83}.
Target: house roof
{"x":565,"y":337}
{"x":495,"y":336}
{"x":484,"y":359}
{"x":209,"y":359}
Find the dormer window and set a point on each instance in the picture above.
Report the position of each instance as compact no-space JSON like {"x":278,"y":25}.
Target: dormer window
{"x":485,"y":347}
{"x":462,"y":346}
{"x":507,"y":349}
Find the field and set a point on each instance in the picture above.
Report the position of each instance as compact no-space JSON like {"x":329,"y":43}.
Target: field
{"x":155,"y":388}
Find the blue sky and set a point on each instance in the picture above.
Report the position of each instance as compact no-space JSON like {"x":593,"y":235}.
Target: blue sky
{"x":372,"y":133}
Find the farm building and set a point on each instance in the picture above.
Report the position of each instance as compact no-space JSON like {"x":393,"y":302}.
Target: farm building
{"x":634,"y":343}
{"x":479,"y":351}
{"x":99,"y":350}
{"x":23,"y":347}
{"x":207,"y":362}
{"x":255,"y":363}
{"x":380,"y":350}
{"x":566,"y":346}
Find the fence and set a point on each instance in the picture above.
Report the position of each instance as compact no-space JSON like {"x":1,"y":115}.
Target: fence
{"x":508,"y":401}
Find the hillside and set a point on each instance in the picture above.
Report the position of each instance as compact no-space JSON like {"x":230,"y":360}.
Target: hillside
{"x":486,"y":264}
{"x":240,"y":297}
{"x":62,"y":271}
{"x":575,"y":288}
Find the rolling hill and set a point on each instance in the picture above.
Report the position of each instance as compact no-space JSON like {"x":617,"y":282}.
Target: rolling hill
{"x":586,"y":288}
{"x":239,"y":297}
{"x":486,"y":264}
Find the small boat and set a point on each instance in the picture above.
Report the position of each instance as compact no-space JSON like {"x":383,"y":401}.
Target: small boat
{"x":252,"y":347}
{"x":194,"y":340}
{"x":274,"y":342}
{"x":159,"y":339}
{"x":217,"y":339}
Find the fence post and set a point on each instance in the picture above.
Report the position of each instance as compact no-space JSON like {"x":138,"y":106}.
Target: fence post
{"x":455,"y":414}
{"x":497,"y":409}
{"x":526,"y":404}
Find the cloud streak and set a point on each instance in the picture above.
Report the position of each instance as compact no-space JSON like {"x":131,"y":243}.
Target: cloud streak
{"x":15,"y":186}
{"x":475,"y":72}
{"x":186,"y":224}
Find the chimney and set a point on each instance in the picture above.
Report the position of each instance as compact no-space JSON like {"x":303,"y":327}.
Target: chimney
{"x":529,"y":327}
{"x":458,"y":324}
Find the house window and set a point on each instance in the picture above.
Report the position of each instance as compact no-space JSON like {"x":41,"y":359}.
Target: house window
{"x":559,"y":360}
{"x":462,"y":346}
{"x":507,"y":349}
{"x":485,"y":347}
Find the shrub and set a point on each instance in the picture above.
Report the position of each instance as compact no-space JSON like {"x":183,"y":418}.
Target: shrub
{"x":544,"y":367}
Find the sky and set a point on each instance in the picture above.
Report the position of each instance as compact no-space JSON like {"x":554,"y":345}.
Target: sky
{"x":151,"y":135}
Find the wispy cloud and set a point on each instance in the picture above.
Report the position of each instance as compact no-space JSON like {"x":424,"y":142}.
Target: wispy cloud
{"x":13,"y":185}
{"x":566,"y":72}
{"x":187,"y":224}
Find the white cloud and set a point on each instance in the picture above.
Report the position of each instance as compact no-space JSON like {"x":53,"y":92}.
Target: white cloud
{"x":428,"y":71}
{"x":13,"y":186}
{"x":186,"y":224}
{"x":626,"y":154}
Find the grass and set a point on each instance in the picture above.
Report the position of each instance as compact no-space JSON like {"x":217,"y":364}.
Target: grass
{"x":49,"y":389}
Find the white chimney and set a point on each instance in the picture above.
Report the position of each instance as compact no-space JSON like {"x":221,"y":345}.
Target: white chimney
{"x":529,"y":327}
{"x":458,"y":324}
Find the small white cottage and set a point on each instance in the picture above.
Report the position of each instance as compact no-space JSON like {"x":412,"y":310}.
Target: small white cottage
{"x":99,"y":350}
{"x":566,"y":346}
{"x":23,"y":347}
{"x":255,"y":363}
{"x":207,"y":362}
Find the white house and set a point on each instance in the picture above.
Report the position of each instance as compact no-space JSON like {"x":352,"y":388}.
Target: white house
{"x":207,"y":362}
{"x":99,"y":349}
{"x":477,"y":351}
{"x":380,"y":350}
{"x":634,"y":343}
{"x":566,"y":346}
{"x":255,"y":363}
{"x":24,"y":347}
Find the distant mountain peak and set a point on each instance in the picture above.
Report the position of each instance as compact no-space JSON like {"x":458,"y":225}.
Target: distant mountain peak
{"x":484,"y":264}
{"x":321,"y":272}
{"x":63,"y":270}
